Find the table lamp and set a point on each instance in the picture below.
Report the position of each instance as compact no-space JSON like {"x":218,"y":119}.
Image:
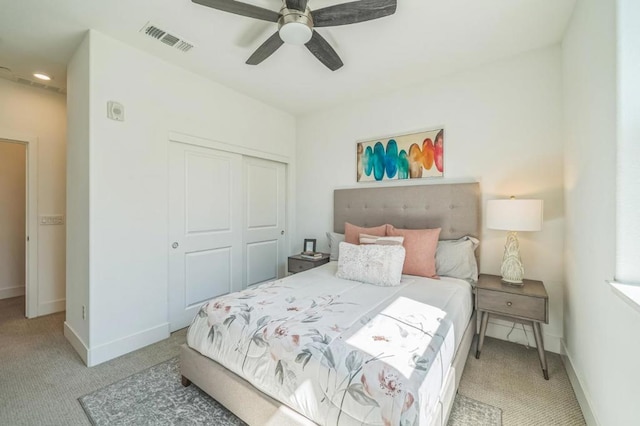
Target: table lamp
{"x":513,"y":215}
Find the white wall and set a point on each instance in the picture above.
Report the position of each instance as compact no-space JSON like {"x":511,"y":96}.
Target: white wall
{"x":503,"y":129}
{"x":78,"y":180}
{"x":40,"y":114}
{"x":601,"y":330}
{"x":13,"y":161}
{"x":129,"y":180}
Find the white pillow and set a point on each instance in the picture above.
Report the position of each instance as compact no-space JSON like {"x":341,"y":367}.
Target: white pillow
{"x":383,"y":241}
{"x":372,"y":264}
{"x":334,"y":240}
{"x":456,"y":258}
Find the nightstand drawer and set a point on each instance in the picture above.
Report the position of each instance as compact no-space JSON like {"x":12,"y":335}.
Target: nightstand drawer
{"x":297,"y":265}
{"x":512,"y":304}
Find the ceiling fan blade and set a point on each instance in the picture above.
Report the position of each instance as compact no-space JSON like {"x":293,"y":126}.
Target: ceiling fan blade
{"x":351,"y":13}
{"x":266,"y":49}
{"x":242,"y":9}
{"x":324,"y":52}
{"x":300,"y":5}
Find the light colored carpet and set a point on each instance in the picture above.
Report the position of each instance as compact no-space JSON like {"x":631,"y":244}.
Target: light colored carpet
{"x":508,"y":376}
{"x":156,"y":397}
{"x":41,"y":376}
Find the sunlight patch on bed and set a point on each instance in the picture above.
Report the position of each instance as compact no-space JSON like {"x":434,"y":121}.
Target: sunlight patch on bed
{"x":401,"y":334}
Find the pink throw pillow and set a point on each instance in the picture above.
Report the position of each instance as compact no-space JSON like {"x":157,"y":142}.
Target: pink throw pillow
{"x":421,"y":245}
{"x":352,"y":232}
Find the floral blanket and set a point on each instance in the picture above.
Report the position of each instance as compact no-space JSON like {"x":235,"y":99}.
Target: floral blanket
{"x":340,"y":352}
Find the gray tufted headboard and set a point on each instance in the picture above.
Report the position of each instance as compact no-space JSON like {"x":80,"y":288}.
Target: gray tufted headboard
{"x":453,"y":207}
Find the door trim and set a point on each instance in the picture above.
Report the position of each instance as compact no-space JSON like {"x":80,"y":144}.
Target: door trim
{"x":222,"y":146}
{"x":31,"y":228}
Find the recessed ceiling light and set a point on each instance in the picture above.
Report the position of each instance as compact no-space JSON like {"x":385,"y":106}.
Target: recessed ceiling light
{"x":41,"y":76}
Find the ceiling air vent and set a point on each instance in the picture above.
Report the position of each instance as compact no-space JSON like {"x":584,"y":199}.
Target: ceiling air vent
{"x":167,"y":38}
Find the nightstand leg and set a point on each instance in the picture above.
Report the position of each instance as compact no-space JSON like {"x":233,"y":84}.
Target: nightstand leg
{"x":483,"y":330}
{"x":539,"y":343}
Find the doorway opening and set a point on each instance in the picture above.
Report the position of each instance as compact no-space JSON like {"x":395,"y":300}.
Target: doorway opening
{"x":18,"y":222}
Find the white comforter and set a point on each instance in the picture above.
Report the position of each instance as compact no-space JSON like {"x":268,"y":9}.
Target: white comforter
{"x":340,"y":352}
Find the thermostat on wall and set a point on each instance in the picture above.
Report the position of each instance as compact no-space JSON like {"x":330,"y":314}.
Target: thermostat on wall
{"x":115,"y":111}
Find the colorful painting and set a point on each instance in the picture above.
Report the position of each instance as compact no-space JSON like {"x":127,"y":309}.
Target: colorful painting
{"x":417,"y":155}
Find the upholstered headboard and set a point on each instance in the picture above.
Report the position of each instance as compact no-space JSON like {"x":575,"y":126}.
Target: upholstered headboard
{"x":453,"y":207}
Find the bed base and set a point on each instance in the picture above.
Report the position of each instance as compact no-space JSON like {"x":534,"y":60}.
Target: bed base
{"x":235,"y":393}
{"x":257,"y":408}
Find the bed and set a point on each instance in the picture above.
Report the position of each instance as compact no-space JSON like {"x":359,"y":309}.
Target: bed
{"x":319,"y":348}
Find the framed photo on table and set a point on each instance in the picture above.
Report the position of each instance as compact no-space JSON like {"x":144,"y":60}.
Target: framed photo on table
{"x":309,"y":245}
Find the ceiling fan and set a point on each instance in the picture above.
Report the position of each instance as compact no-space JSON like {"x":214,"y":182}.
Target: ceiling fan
{"x":296,"y":24}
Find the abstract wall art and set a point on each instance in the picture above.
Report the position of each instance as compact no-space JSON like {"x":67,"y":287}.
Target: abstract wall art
{"x":415,"y":155}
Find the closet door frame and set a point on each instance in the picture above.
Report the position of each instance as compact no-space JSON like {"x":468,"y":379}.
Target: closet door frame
{"x":248,"y":152}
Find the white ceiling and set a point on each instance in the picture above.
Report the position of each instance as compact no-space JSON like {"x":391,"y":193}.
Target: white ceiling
{"x":423,"y":40}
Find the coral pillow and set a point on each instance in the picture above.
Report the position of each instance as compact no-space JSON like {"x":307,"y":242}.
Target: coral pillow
{"x":421,"y":245}
{"x":352,"y":232}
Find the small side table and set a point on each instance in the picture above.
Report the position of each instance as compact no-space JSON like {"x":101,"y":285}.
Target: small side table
{"x":528,"y":304}
{"x":298,"y":263}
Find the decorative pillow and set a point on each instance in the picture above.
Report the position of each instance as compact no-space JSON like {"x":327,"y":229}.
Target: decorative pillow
{"x":334,"y":240}
{"x":382,"y":241}
{"x":371,"y":263}
{"x":421,"y":247}
{"x":456,"y":258}
{"x":352,"y":232}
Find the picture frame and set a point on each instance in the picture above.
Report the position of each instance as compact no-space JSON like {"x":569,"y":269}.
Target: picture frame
{"x":406,"y":156}
{"x":309,"y":245}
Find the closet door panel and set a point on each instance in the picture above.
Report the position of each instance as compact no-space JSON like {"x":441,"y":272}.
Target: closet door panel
{"x":205,"y":228}
{"x":264,"y":224}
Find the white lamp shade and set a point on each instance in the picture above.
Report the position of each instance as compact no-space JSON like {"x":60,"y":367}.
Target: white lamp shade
{"x":514,"y":215}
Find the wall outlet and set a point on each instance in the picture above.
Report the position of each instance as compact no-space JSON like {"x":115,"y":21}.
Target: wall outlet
{"x":84,"y":312}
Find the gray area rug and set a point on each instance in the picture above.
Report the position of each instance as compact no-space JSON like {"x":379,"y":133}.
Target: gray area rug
{"x":156,"y":397}
{"x":469,"y":412}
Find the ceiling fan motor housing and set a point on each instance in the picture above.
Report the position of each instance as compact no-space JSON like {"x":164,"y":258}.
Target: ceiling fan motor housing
{"x":294,"y":26}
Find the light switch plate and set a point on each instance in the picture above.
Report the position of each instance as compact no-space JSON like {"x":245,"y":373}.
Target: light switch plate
{"x":57,"y":219}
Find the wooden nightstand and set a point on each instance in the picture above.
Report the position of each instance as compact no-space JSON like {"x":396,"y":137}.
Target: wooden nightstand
{"x":298,"y":263}
{"x":528,"y":304}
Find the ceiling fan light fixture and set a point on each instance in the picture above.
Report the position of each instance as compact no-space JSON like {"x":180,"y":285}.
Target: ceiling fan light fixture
{"x":294,"y":26}
{"x":295,"y":33}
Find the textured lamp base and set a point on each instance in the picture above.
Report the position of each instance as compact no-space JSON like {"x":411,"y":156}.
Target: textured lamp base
{"x":512,"y":269}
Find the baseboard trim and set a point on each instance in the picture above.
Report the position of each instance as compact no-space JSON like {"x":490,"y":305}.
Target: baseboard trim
{"x":9,"y":292}
{"x":500,"y":329}
{"x":116,"y":348}
{"x":52,"y":307}
{"x":582,"y":396}
{"x":76,"y":342}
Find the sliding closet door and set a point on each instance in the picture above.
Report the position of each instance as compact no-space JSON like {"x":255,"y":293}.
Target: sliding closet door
{"x":205,"y":228}
{"x":264,"y":223}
